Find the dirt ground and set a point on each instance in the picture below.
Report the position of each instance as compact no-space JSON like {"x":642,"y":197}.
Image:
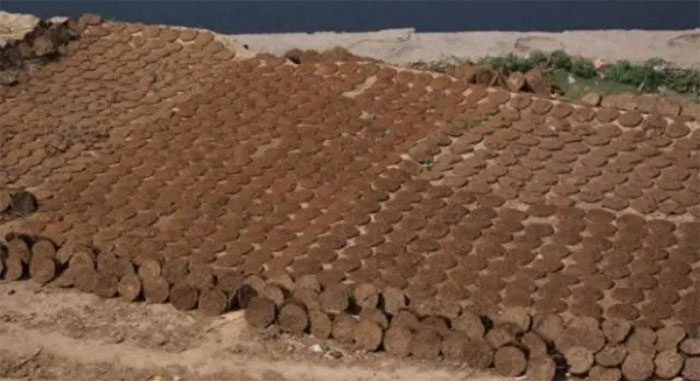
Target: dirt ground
{"x":48,"y":333}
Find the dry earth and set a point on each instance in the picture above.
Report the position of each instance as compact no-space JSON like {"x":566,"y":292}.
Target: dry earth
{"x":52,"y":334}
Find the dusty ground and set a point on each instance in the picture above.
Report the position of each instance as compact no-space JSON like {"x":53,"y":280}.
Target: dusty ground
{"x":404,"y":46}
{"x":52,"y":334}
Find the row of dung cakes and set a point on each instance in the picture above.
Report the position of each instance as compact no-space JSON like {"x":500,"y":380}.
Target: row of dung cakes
{"x":512,"y":341}
{"x":606,"y":175}
{"x":375,"y":233}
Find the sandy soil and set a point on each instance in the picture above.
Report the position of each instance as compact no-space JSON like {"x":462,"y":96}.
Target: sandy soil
{"x":52,"y":334}
{"x":405,"y":46}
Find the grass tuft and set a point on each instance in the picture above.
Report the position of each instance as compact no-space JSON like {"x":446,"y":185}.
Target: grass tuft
{"x":651,"y":76}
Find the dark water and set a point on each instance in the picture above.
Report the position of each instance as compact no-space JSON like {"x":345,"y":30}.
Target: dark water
{"x":433,"y":16}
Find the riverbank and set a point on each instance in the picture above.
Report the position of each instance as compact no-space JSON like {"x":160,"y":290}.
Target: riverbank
{"x":405,"y":46}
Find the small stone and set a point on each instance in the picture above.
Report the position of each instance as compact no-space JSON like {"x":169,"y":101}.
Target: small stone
{"x":117,"y":337}
{"x":158,"y":339}
{"x":316,"y":348}
{"x":335,"y":354}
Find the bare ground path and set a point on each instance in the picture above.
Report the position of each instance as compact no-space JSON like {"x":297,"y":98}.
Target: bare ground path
{"x":56,"y":334}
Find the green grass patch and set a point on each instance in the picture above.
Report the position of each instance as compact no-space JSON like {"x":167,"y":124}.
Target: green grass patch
{"x":654,"y":75}
{"x":427,"y":162}
{"x":574,"y":87}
